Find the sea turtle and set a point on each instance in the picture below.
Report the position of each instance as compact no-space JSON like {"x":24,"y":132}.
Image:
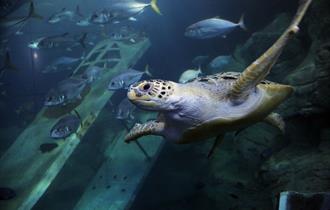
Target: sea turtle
{"x":212,"y":105}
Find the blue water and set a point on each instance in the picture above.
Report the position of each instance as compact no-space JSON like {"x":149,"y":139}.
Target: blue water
{"x":170,"y":54}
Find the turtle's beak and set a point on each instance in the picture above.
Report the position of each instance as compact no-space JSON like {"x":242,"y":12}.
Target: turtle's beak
{"x":131,"y":95}
{"x":141,"y":99}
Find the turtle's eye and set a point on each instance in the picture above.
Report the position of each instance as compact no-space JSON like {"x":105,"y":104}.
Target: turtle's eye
{"x":146,"y":87}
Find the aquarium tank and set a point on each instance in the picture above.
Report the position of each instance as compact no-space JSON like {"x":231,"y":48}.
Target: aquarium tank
{"x":164,"y":105}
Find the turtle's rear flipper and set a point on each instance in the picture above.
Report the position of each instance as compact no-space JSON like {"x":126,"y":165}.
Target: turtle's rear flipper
{"x":275,"y":120}
{"x":149,"y":128}
{"x":217,"y":141}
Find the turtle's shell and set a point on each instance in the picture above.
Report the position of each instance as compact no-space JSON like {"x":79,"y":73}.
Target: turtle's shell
{"x":223,"y":115}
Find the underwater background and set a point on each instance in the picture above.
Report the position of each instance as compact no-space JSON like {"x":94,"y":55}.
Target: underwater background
{"x":249,"y":169}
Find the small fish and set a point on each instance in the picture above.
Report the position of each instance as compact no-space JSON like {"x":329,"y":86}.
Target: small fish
{"x":220,"y":62}
{"x":16,"y":21}
{"x":213,"y":27}
{"x":57,"y":41}
{"x":92,"y":73}
{"x":65,"y":126}
{"x":66,"y":91}
{"x":125,"y":110}
{"x":19,"y":32}
{"x":125,"y":79}
{"x":85,"y":22}
{"x":6,"y":193}
{"x":64,"y":14}
{"x":128,"y":9}
{"x":103,"y":17}
{"x":59,"y":63}
{"x":189,"y":75}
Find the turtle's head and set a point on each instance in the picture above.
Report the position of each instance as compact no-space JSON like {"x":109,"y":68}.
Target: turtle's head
{"x":154,"y":95}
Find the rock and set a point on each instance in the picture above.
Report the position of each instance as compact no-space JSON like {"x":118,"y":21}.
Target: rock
{"x":301,"y":159}
{"x":297,"y":170}
{"x":306,"y":201}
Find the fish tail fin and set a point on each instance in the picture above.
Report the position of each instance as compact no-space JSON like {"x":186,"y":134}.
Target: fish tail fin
{"x":146,"y":71}
{"x":32,"y":13}
{"x":241,"y":23}
{"x":155,"y":7}
{"x":200,"y":69}
{"x":78,"y":11}
{"x":82,"y":40}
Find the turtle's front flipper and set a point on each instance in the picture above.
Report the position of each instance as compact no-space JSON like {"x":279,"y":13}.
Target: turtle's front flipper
{"x":275,"y":120}
{"x":149,"y":128}
{"x":260,"y":68}
{"x":217,"y":141}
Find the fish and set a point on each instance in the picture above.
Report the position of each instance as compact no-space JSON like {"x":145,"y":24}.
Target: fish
{"x":66,"y":91}
{"x":126,"y":78}
{"x":189,"y":75}
{"x":58,"y":64}
{"x":213,"y":27}
{"x":6,"y":23}
{"x":123,"y":10}
{"x":57,"y":41}
{"x":103,"y":17}
{"x":92,"y":74}
{"x":65,"y":126}
{"x":199,"y":60}
{"x":219,"y":62}
{"x":85,"y":22}
{"x":7,"y":66}
{"x":125,"y":110}
{"x":132,"y":8}
{"x":64,"y":14}
{"x":123,"y":33}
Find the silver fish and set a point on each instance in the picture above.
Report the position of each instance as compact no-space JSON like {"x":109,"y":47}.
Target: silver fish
{"x":66,"y":91}
{"x":65,"y":127}
{"x":128,"y":9}
{"x":103,"y":17}
{"x":60,"y":63}
{"x":220,"y":62}
{"x":64,"y":14}
{"x":212,"y":27}
{"x":189,"y":75}
{"x":122,"y":10}
{"x":57,"y":41}
{"x":125,"y":79}
{"x":85,"y":22}
{"x":92,"y":73}
{"x":125,"y":110}
{"x":17,"y":21}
